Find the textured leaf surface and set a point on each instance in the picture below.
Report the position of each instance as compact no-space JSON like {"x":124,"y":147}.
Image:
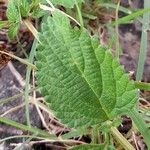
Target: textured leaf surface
{"x":24,"y":7}
{"x":81,"y":80}
{"x":13,"y":29}
{"x":12,"y":11}
{"x":66,"y":3}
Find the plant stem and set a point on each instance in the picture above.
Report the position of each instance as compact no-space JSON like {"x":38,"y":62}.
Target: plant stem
{"x":143,"y":46}
{"x":141,"y":125}
{"x":117,"y":32}
{"x":21,"y":136}
{"x":21,"y":47}
{"x":79,"y":14}
{"x":95,"y":134}
{"x":28,"y":73}
{"x":132,"y":16}
{"x":26,"y":128}
{"x":142,"y":85}
{"x":32,"y":29}
{"x":114,"y":6}
{"x":44,"y":7}
{"x":6,"y":100}
{"x":19,"y":59}
{"x":121,"y":139}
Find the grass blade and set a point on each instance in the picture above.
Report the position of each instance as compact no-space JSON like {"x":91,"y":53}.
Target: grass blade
{"x":143,"y":46}
{"x":132,"y":16}
{"x":141,"y":125}
{"x":142,"y":85}
{"x":26,"y":128}
{"x":28,"y":73}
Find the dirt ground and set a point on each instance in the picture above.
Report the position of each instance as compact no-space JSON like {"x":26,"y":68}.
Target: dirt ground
{"x":12,"y":79}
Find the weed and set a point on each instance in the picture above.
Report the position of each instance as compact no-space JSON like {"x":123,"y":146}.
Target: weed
{"x":83,"y":83}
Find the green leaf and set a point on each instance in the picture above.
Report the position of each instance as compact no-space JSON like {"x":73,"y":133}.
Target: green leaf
{"x":36,"y":11}
{"x":66,"y":3}
{"x":132,"y":16}
{"x":142,"y":85}
{"x":12,"y":11}
{"x":89,"y":147}
{"x":24,"y":7}
{"x":13,"y":29}
{"x":80,"y":79}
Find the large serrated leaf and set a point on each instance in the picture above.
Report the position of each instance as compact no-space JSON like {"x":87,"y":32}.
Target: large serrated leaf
{"x":66,"y":3}
{"x":80,"y":79}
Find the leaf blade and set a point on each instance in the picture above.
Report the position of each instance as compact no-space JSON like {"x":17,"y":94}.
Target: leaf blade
{"x":81,"y":74}
{"x":12,"y":12}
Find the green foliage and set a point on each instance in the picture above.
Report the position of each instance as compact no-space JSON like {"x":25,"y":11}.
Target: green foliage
{"x":19,"y":9}
{"x":13,"y":15}
{"x":131,"y":17}
{"x":24,"y":7}
{"x":12,"y":11}
{"x":81,"y":80}
{"x":34,"y":130}
{"x":66,"y":3}
{"x":13,"y":29}
{"x":88,"y":147}
{"x":36,"y":12}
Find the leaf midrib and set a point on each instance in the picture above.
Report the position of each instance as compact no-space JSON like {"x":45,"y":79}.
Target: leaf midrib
{"x":68,"y":48}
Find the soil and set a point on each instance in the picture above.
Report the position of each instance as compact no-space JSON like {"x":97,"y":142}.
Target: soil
{"x":12,"y":81}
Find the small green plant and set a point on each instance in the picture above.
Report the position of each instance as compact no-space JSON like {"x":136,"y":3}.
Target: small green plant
{"x":81,"y":74}
{"x":83,"y":83}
